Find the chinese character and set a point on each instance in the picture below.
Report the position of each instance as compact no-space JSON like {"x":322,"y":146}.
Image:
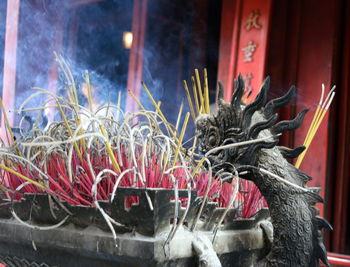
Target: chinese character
{"x":248,"y":51}
{"x":248,"y":83}
{"x":252,"y":21}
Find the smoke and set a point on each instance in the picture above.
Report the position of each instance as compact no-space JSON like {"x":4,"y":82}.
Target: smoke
{"x":90,"y":38}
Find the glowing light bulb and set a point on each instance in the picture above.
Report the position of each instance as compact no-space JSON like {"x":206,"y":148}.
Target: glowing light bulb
{"x":127,"y":39}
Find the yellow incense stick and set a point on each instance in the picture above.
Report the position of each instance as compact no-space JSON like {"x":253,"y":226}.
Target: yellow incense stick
{"x":159,"y":110}
{"x":311,"y":136}
{"x":202,"y":111}
{"x":206,"y":91}
{"x":200,"y":92}
{"x":136,"y":100}
{"x":109,"y":149}
{"x":317,"y":125}
{"x":158,"y":104}
{"x":22,"y":176}
{"x":312,"y":125}
{"x":316,"y":122}
{"x":189,"y":101}
{"x":179,"y":143}
{"x":80,"y":132}
{"x":199,"y":165}
{"x":195,"y":94}
{"x":179,"y":116}
{"x":193,"y":146}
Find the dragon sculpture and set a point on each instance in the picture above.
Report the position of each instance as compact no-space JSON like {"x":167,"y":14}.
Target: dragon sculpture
{"x":297,"y":226}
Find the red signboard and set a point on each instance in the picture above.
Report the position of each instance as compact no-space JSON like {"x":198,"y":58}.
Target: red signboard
{"x":243,"y":45}
{"x":252,"y":46}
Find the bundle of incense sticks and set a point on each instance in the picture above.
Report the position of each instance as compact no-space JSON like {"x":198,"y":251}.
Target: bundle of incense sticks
{"x":84,"y":156}
{"x":201,"y":97}
{"x":319,"y":115}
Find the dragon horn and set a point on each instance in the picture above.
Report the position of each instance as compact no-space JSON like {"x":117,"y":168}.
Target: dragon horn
{"x":220,"y":93}
{"x":251,"y":151}
{"x":323,"y":223}
{"x":290,"y":152}
{"x":288,"y":125}
{"x":322,"y":254}
{"x":279,"y":102}
{"x":255,"y":129}
{"x":266,"y":87}
{"x":239,"y":89}
{"x":256,"y":104}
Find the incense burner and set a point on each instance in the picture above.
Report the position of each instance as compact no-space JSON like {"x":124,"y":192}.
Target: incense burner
{"x":84,"y":239}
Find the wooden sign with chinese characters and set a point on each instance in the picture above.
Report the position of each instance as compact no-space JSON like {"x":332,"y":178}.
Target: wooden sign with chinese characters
{"x":243,"y":45}
{"x":252,"y":45}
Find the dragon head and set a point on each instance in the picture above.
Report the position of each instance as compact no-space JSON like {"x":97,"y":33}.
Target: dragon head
{"x":236,"y":123}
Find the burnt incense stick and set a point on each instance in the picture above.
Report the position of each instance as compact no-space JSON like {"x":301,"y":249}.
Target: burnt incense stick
{"x":87,"y":80}
{"x":179,"y":116}
{"x":70,"y":132}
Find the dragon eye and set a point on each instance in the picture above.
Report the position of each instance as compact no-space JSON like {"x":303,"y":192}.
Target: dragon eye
{"x":213,"y":137}
{"x":212,"y":140}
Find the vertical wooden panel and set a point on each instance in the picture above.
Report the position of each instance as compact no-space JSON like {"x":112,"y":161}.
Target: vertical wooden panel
{"x":314,"y":68}
{"x":302,"y":53}
{"x":229,"y":37}
{"x":10,"y":58}
{"x":339,"y":172}
{"x":282,"y":60}
{"x":136,"y":53}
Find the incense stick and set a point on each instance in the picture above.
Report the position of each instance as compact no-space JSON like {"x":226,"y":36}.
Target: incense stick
{"x":189,"y":101}
{"x":21,"y":176}
{"x":159,"y":110}
{"x":244,"y":143}
{"x":136,"y":100}
{"x":314,"y":119}
{"x":199,"y":165}
{"x":179,"y":116}
{"x":69,"y":129}
{"x":206,"y":91}
{"x":179,"y":144}
{"x":109,"y":149}
{"x":200,"y":92}
{"x":87,"y":80}
{"x":195,"y":94}
{"x":316,"y":122}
